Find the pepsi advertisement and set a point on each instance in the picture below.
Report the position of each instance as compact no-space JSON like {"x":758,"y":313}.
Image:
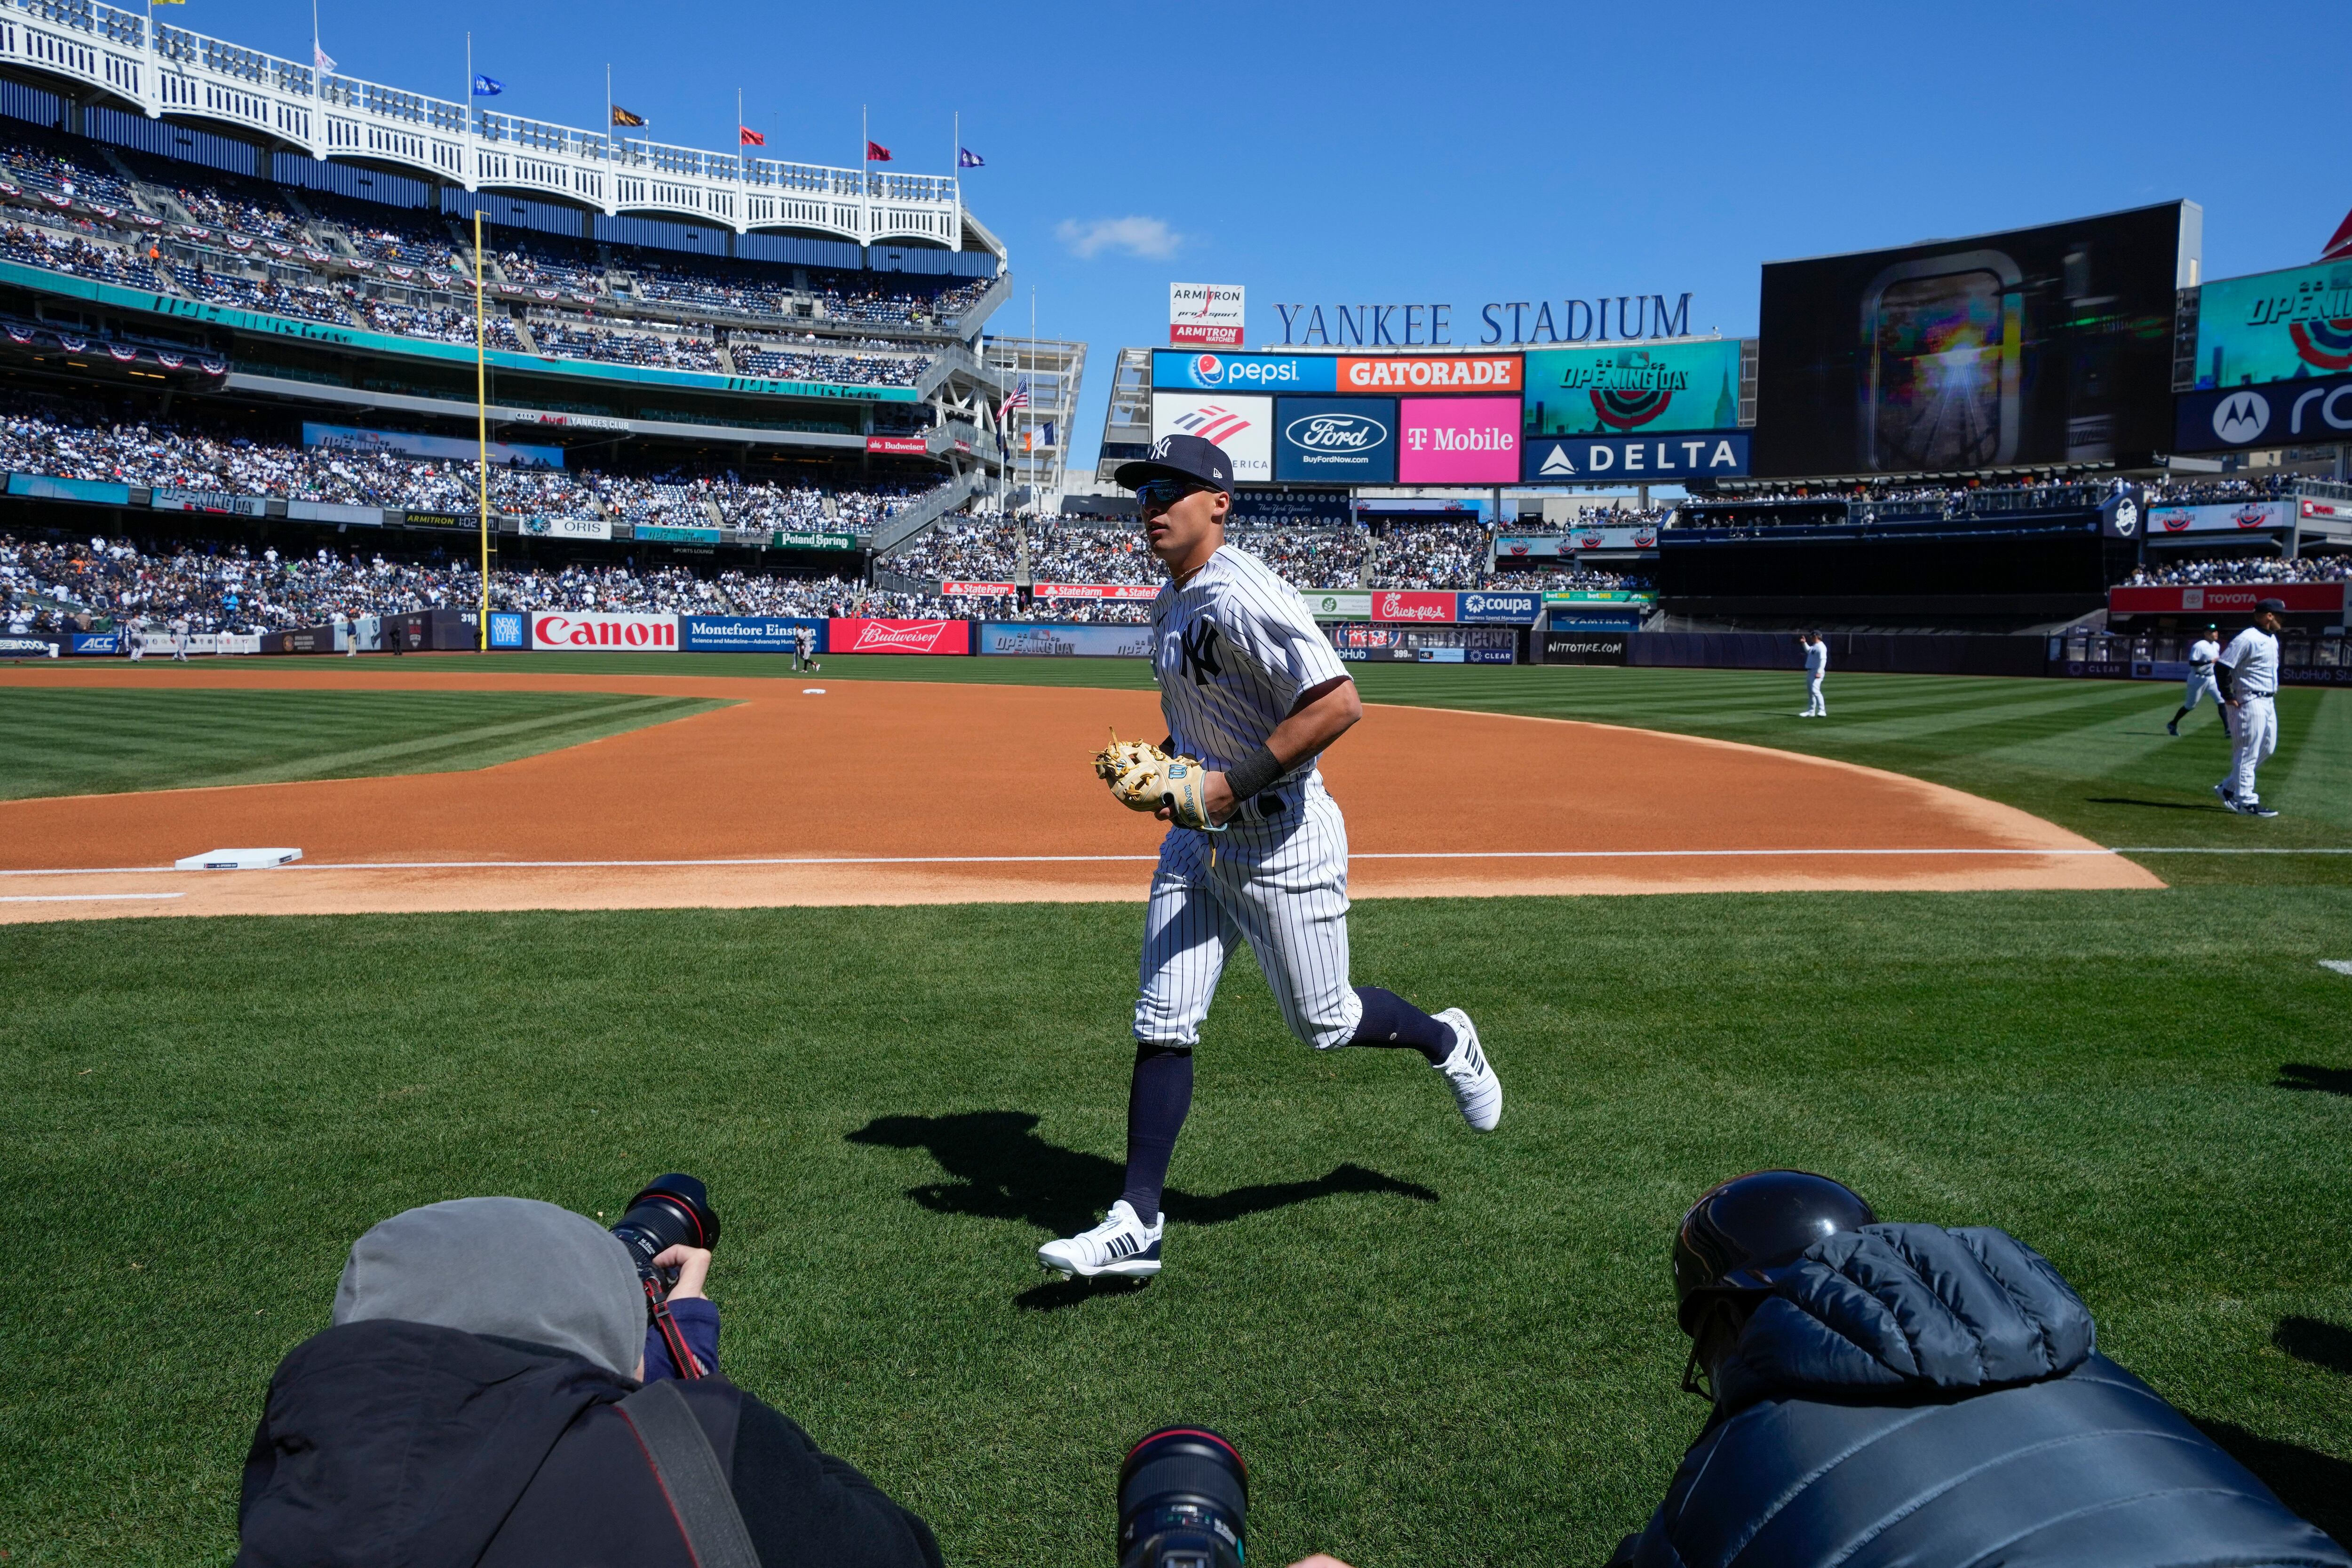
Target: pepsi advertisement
{"x":1175,"y":370}
{"x":1335,"y":440}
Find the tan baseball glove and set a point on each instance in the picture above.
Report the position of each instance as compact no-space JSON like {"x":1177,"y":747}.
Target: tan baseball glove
{"x":1142,"y":777}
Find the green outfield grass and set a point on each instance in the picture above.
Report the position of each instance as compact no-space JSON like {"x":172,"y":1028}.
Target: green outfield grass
{"x":86,"y":740}
{"x":1433,"y":1347}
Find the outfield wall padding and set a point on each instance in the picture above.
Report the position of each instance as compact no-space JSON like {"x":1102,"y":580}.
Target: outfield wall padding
{"x":1895,"y":653}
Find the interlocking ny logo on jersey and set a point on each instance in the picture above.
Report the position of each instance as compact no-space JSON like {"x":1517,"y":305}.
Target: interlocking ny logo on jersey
{"x":1212,"y":423}
{"x":1199,"y":642}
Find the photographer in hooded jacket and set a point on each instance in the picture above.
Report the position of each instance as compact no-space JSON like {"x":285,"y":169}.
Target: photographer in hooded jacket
{"x":478,"y":1400}
{"x":1907,"y":1396}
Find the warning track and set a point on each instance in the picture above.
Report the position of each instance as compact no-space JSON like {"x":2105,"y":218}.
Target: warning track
{"x":863,"y":796}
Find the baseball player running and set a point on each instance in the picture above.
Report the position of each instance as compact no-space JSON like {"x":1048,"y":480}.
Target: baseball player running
{"x":1817,"y":664}
{"x":804,"y":648}
{"x":2202,"y":655}
{"x":1258,"y":850}
{"x":2249,"y":671}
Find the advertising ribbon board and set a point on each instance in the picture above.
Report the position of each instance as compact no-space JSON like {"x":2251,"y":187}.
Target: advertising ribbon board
{"x":2283,"y":413}
{"x":569,"y":527}
{"x":1343,"y":605}
{"x":508,"y":629}
{"x":2234,"y":600}
{"x":436,"y":519}
{"x":1582,"y":460}
{"x":1175,"y":371}
{"x":1600,"y":597}
{"x":505,"y":454}
{"x":2224,"y":517}
{"x":201,"y":642}
{"x":574,"y":631}
{"x":1634,"y":389}
{"x":1137,"y":592}
{"x":44,"y":487}
{"x":667,"y":533}
{"x":785,"y":539}
{"x":863,"y":633}
{"x":902,"y":446}
{"x":92,"y":643}
{"x":1422,"y":374}
{"x":219,"y":502}
{"x":1029,"y":639}
{"x":977,"y":590}
{"x":335,"y":512}
{"x":1506,"y":608}
{"x":1399,"y":605}
{"x":2275,"y":326}
{"x":1584,"y":647}
{"x":747,"y":634}
{"x":1457,"y":440}
{"x":1335,"y":440}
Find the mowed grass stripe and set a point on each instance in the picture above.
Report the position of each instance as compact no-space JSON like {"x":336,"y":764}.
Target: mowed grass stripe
{"x":105,"y":741}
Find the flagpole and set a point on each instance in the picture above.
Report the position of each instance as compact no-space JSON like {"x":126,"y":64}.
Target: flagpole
{"x":481,"y":397}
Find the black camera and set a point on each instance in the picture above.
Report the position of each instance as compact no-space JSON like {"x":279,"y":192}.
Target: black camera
{"x":672,"y":1210}
{"x":1182,"y":1496}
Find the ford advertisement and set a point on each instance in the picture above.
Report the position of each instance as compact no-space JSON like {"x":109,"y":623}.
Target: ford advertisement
{"x":1174,"y":370}
{"x":1335,"y":440}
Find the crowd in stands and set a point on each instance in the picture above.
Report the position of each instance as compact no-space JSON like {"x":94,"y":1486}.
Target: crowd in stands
{"x":78,"y":443}
{"x":247,"y":243}
{"x":848,"y":370}
{"x":1609,"y":517}
{"x":2245,"y":569}
{"x":1432,"y":555}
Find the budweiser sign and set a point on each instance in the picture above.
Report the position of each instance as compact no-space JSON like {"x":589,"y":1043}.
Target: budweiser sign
{"x":573,"y":630}
{"x":1138,"y":591}
{"x":860,"y":634}
{"x":1399,"y":605}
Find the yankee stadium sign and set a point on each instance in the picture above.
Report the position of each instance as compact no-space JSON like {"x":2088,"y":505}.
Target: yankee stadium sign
{"x":1605,"y":318}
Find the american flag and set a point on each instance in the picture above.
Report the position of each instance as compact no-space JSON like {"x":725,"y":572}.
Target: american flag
{"x":1017,"y":398}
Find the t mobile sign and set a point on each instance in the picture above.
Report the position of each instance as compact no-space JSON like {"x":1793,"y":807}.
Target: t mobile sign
{"x":1458,"y":441}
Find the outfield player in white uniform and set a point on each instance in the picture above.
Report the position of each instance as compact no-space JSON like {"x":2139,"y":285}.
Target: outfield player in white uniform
{"x":804,"y":648}
{"x":1249,"y":686}
{"x":1817,"y":664}
{"x":2249,"y":672}
{"x":2202,"y":654}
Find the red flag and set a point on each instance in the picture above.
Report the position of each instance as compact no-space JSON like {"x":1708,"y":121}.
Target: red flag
{"x":2341,"y":245}
{"x":750,"y":137}
{"x":877,"y":153}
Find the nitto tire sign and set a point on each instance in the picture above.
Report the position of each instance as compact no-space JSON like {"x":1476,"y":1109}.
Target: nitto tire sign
{"x":578,"y":631}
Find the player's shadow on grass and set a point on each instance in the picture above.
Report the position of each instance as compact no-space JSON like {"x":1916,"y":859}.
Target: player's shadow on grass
{"x":2316,"y":1342}
{"x":2324,"y":1081}
{"x":2157,"y":804}
{"x":1000,"y":1169}
{"x":2315,"y":1485}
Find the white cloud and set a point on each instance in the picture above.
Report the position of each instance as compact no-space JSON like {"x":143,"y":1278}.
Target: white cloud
{"x":1148,"y":238}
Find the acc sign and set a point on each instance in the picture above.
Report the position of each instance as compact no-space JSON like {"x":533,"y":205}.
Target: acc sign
{"x":573,"y":631}
{"x":1581,"y":459}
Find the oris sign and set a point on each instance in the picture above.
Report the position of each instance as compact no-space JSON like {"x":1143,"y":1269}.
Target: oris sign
{"x":575,"y":631}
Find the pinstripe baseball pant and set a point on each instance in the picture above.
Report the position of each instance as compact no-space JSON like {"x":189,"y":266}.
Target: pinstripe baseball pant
{"x":1281,"y":886}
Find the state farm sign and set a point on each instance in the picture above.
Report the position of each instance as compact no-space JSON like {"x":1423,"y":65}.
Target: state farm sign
{"x":1396,"y":604}
{"x":573,"y":631}
{"x":861,"y":634}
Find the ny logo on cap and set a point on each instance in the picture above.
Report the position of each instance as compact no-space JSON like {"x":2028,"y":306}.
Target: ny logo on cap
{"x":1160,"y":448}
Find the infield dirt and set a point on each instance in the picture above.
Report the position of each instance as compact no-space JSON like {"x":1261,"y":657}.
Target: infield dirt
{"x":898,"y":793}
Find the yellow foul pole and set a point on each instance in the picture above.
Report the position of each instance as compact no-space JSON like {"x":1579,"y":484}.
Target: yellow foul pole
{"x":482,"y":435}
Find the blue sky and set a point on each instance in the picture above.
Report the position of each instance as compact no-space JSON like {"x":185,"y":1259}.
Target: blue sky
{"x":1458,"y":153}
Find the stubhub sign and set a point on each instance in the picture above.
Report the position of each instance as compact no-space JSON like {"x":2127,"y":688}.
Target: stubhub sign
{"x":1184,"y":372}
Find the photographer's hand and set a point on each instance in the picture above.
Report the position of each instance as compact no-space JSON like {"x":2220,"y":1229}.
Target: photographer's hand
{"x":693,"y":1266}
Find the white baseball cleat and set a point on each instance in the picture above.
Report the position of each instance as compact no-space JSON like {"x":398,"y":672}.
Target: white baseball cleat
{"x":1122,"y":1245}
{"x":1476,"y":1090}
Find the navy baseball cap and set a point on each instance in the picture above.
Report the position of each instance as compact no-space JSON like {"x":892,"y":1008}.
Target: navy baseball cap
{"x":2275,"y":606}
{"x":1180,"y":457}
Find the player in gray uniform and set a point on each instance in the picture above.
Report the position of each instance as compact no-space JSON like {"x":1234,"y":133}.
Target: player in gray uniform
{"x":2202,"y":653}
{"x":2249,"y":670}
{"x":804,"y":648}
{"x":1249,"y":685}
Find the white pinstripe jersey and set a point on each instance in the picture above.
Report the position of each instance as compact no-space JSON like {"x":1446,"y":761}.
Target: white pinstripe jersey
{"x":1231,"y":650}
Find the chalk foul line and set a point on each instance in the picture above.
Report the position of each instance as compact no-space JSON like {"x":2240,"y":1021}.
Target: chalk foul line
{"x":80,"y":898}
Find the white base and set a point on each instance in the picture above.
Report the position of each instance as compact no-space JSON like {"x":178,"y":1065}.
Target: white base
{"x":237,"y":860}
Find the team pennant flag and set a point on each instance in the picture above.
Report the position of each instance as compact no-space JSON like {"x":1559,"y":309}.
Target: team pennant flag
{"x":877,"y":153}
{"x":622,"y":117}
{"x":488,"y":86}
{"x":968,"y":159}
{"x":323,"y":59}
{"x":751,"y":138}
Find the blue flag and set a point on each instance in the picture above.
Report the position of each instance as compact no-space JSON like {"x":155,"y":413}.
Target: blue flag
{"x":488,"y":86}
{"x":968,"y":159}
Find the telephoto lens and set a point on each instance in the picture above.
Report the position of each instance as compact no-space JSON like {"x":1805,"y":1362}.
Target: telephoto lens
{"x":1182,"y":1496}
{"x":672,"y":1209}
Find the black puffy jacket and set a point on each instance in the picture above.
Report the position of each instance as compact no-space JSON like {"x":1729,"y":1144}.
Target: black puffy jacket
{"x":389,"y":1444}
{"x":1930,"y":1398}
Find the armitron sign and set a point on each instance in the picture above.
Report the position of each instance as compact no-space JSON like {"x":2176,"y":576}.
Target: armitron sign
{"x":1209,"y":315}
{"x":574,"y":631}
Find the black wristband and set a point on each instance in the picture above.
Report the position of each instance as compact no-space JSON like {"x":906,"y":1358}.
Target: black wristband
{"x":1253,"y":774}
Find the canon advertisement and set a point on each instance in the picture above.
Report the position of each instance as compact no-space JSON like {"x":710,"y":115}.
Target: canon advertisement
{"x":2040,"y":345}
{"x":1243,"y":427}
{"x":1335,"y":440}
{"x":578,"y":631}
{"x":2316,"y":412}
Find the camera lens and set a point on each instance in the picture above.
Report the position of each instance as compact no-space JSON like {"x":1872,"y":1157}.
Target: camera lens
{"x":672,"y":1209}
{"x":1182,"y":1496}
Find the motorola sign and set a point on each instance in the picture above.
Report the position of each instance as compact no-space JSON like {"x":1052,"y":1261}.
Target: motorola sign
{"x":1205,"y":371}
{"x":1335,"y":440}
{"x":1616,"y":459}
{"x":2315,"y":411}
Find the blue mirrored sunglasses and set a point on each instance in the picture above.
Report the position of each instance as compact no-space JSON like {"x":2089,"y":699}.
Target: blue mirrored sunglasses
{"x":1163,"y":493}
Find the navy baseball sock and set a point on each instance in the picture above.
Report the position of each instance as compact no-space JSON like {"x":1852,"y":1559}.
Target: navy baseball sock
{"x":1390,"y":1020}
{"x":1157,"y":1098}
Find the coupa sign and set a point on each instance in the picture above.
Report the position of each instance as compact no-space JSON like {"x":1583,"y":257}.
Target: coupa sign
{"x":1508,"y":609}
{"x":574,"y":630}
